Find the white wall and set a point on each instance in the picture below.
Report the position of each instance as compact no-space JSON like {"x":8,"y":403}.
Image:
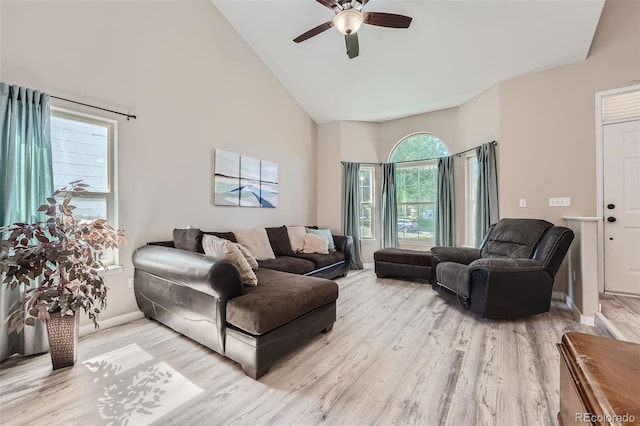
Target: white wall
{"x":478,"y":123}
{"x":195,"y":86}
{"x":443,"y":124}
{"x":344,"y":141}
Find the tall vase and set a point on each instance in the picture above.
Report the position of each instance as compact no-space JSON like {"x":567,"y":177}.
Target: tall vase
{"x":63,"y":339}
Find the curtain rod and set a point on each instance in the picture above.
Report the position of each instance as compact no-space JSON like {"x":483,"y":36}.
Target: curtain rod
{"x":366,"y":164}
{"x":129,"y":116}
{"x":457,"y":154}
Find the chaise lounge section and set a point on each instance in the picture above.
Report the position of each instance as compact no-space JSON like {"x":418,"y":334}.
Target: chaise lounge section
{"x":203,"y":298}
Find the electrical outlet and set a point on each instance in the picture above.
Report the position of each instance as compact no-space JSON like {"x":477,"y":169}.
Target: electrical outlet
{"x":560,"y":202}
{"x":130,"y":281}
{"x":523,"y":202}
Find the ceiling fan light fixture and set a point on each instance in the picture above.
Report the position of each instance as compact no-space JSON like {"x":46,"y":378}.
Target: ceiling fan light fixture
{"x":348,"y":21}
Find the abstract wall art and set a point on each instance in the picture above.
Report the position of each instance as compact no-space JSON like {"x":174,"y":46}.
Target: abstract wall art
{"x":240,"y":180}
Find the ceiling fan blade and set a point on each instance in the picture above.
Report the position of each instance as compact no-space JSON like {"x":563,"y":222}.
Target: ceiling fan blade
{"x":389,"y":20}
{"x":353,"y":48}
{"x":314,"y":31}
{"x":329,"y":3}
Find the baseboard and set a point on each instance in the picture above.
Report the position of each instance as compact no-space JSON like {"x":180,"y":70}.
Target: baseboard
{"x":111,"y":322}
{"x":577,"y":315}
{"x":559,"y":295}
{"x":604,"y":323}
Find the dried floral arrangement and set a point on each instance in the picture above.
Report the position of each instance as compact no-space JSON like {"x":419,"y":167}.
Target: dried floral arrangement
{"x":57,"y":262}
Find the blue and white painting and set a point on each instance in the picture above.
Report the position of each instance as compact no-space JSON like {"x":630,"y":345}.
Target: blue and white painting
{"x":244,"y":181}
{"x":227,"y":178}
{"x":249,"y":182}
{"x":269,"y":184}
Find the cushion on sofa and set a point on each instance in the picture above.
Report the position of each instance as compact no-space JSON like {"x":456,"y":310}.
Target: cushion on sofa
{"x":256,"y":241}
{"x":315,"y":244}
{"x":296,"y":236}
{"x":322,"y":260}
{"x":288,"y":264}
{"x":225,"y":249}
{"x":279,"y":239}
{"x":247,"y":255}
{"x":225,"y":235}
{"x":279,"y":299}
{"x":325,"y":232}
{"x":189,"y":239}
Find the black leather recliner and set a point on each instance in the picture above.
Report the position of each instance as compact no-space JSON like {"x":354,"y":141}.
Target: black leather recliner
{"x":510,"y":275}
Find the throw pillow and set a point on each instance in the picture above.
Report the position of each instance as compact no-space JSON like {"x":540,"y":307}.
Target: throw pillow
{"x":256,"y":241}
{"x":326,"y":233}
{"x":279,"y":239}
{"x":225,"y":235}
{"x":225,"y":249}
{"x":296,"y":237}
{"x":247,"y":255}
{"x":188,"y":239}
{"x":316,"y":244}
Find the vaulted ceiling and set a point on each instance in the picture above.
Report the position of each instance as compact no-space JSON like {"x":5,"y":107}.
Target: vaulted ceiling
{"x":452,"y":51}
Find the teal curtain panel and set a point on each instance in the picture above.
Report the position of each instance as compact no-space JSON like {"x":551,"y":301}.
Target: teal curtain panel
{"x":351,"y":209}
{"x":487,"y":191}
{"x":26,"y":179}
{"x":445,"y":227}
{"x":389,"y":206}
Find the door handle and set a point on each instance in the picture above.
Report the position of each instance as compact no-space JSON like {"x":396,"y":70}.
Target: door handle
{"x":611,"y":206}
{"x":611,"y":219}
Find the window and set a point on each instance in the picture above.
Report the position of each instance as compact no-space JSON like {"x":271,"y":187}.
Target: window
{"x":416,"y":185}
{"x":367,"y":179}
{"x":471,"y":179}
{"x":83,"y":148}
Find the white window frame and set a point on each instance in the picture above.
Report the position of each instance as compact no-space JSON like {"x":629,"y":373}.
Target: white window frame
{"x":468,"y":195}
{"x":112,"y":257}
{"x":372,"y":190}
{"x":409,"y":242}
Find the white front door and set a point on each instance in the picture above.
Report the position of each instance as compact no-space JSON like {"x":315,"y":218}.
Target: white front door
{"x":622,"y":207}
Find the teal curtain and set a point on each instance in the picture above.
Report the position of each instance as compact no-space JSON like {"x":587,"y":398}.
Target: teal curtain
{"x":351,"y":209}
{"x":26,"y":179}
{"x":487,"y":190}
{"x":389,"y":206}
{"x":445,"y":226}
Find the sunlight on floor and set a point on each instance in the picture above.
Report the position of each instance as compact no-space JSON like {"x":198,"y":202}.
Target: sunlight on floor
{"x":136,"y":390}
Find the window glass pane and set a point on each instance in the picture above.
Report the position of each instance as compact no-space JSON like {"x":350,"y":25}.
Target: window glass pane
{"x":366,"y":203}
{"x":80,"y":151}
{"x":89,"y":208}
{"x":416,"y":185}
{"x":417,"y":147}
{"x":472,"y":185}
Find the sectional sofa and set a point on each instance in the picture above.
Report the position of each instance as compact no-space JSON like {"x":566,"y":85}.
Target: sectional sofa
{"x":204,"y":298}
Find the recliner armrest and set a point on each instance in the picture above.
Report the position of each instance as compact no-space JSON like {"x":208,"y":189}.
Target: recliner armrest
{"x":464,"y":255}
{"x":493,"y":264}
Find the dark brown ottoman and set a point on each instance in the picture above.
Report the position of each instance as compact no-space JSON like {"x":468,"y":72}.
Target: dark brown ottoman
{"x":395,"y":262}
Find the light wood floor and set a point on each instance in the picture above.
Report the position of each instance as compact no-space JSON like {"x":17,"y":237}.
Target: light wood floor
{"x":398,"y":354}
{"x":624,"y":313}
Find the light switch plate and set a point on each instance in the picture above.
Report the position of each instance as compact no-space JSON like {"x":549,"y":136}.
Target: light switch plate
{"x":560,"y":202}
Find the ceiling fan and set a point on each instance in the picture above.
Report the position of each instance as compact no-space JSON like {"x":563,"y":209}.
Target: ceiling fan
{"x":349,"y":17}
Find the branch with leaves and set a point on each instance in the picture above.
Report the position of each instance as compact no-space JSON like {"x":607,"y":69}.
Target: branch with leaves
{"x":55,"y":263}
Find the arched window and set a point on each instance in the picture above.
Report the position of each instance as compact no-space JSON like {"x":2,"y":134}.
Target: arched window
{"x":418,"y":147}
{"x":416,"y":185}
